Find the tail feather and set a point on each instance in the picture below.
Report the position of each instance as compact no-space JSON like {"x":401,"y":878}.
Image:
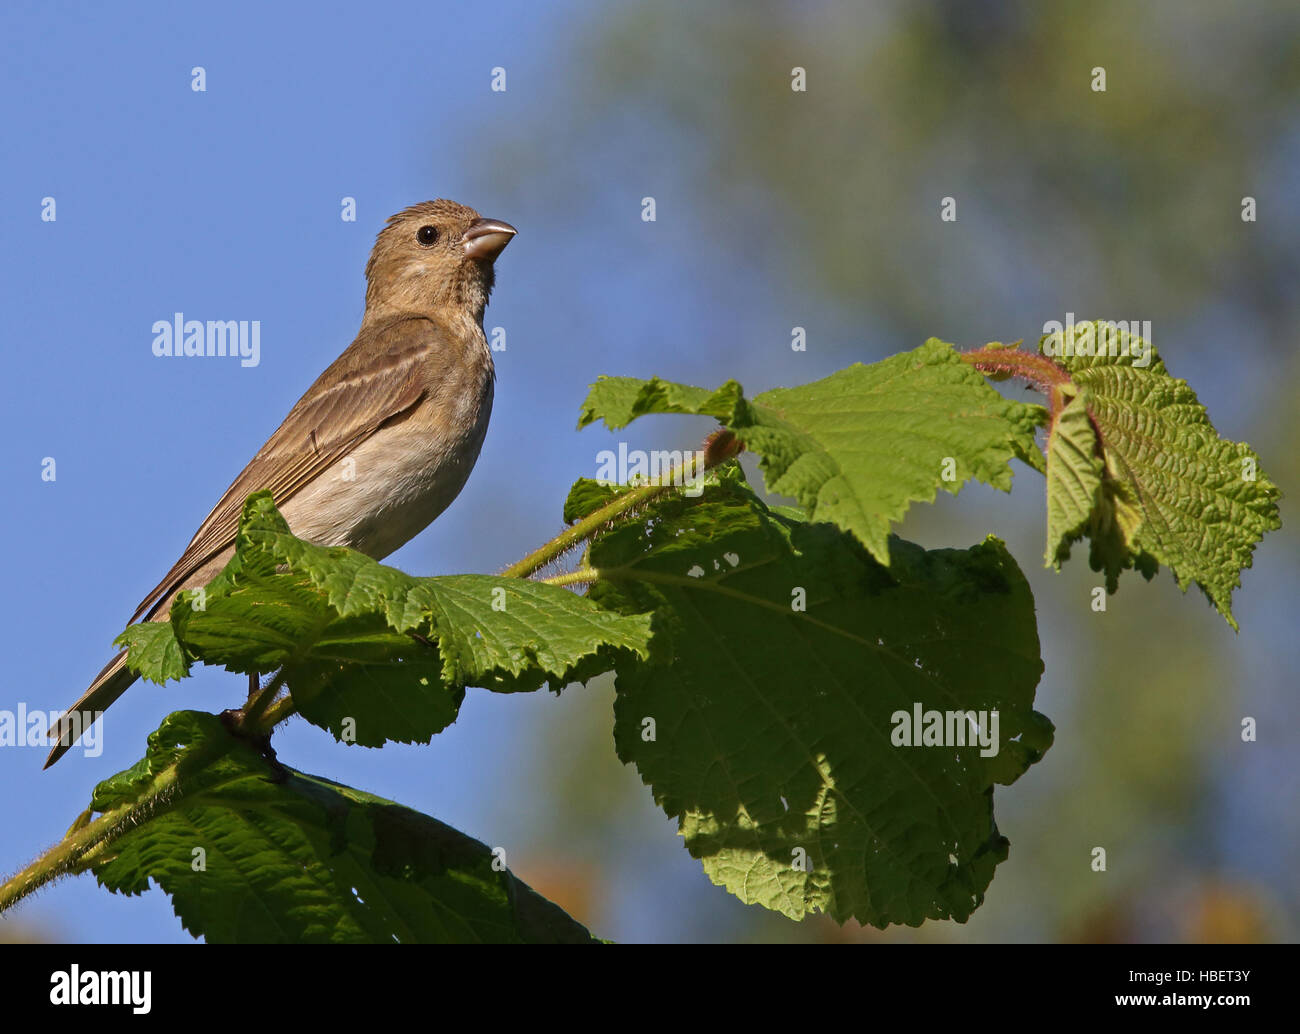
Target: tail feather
{"x":109,"y":684}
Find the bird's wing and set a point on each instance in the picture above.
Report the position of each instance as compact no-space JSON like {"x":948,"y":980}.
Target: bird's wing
{"x":379,"y":378}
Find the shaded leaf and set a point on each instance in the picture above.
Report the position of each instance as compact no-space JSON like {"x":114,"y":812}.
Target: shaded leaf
{"x":253,"y":854}
{"x":792,"y":652}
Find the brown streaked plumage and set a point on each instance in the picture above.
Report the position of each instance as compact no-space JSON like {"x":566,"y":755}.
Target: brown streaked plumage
{"x":385,"y":438}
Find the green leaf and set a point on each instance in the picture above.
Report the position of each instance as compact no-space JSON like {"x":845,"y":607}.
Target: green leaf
{"x":620,"y":400}
{"x":1074,"y":470}
{"x":858,"y":447}
{"x":374,"y":654}
{"x":769,"y":735}
{"x":154,"y":652}
{"x":1177,"y":493}
{"x":251,"y":852}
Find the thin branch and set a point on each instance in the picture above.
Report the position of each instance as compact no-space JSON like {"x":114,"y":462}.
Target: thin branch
{"x":718,"y":447}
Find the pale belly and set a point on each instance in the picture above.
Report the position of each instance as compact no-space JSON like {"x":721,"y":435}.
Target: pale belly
{"x":390,"y":488}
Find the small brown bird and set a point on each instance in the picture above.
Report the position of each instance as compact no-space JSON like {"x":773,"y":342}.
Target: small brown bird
{"x":385,"y":438}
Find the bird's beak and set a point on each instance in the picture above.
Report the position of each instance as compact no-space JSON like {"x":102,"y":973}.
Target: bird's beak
{"x":486,"y":238}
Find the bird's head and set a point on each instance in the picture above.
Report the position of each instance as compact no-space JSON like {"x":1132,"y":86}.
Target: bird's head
{"x":436,"y":255}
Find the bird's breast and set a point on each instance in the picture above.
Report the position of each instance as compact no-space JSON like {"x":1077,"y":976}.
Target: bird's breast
{"x":394,"y":484}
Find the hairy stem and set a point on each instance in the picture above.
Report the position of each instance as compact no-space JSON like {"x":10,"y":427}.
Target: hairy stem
{"x":276,"y":713}
{"x":582,"y":576}
{"x":86,"y":838}
{"x":718,"y":447}
{"x":259,"y":700}
{"x":1038,"y":370}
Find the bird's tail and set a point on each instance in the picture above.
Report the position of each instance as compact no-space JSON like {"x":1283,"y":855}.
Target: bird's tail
{"x":109,"y":684}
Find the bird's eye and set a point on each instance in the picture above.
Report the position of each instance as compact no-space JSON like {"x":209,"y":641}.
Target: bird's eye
{"x":427,"y":235}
